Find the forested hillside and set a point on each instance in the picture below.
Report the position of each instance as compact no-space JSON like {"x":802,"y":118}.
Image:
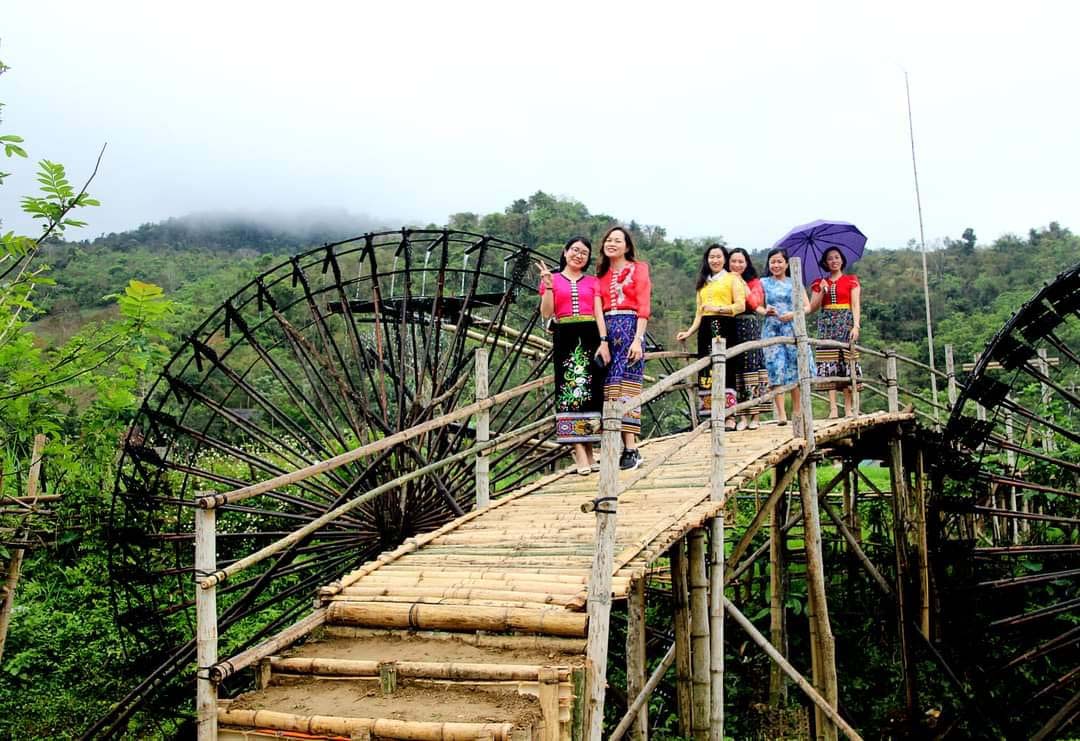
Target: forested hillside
{"x":199,"y":263}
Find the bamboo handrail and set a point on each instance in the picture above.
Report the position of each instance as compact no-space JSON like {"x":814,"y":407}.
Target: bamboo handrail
{"x":245,"y":492}
{"x":507,"y":438}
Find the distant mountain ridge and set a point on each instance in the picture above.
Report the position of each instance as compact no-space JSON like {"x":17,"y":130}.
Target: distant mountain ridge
{"x":260,"y":232}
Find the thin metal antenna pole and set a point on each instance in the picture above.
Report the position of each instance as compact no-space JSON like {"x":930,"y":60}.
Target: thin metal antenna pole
{"x":922,"y":242}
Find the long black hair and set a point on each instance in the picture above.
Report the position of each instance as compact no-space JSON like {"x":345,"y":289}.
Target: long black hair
{"x":562,"y":255}
{"x":787,"y":260}
{"x":750,"y":273}
{"x":705,"y":272}
{"x":605,"y":264}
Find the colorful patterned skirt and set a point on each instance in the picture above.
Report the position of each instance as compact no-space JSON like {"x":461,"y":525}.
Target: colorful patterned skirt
{"x":623,"y":377}
{"x":579,"y":384}
{"x":751,"y":378}
{"x":836,"y":324}
{"x":715,"y":326}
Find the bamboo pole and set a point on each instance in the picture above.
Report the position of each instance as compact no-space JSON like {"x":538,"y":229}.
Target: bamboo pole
{"x":1043,"y":365}
{"x":483,"y":430}
{"x":641,"y":699}
{"x":950,"y":374}
{"x":683,"y":671}
{"x":717,"y":480}
{"x":224,"y":669}
{"x":548,"y":678}
{"x":451,"y":670}
{"x":329,"y":464}
{"x":898,"y":483}
{"x":819,"y":702}
{"x":635,"y":656}
{"x":599,"y":600}
{"x":321,"y":725}
{"x":824,"y":646}
{"x":11,"y":581}
{"x":699,"y":636}
{"x":554,"y":621}
{"x":206,"y":618}
{"x":924,"y":542}
{"x":777,"y":610}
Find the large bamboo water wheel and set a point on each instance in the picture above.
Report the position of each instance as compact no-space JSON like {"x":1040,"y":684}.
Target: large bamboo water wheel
{"x":1008,"y":569}
{"x":329,"y":350}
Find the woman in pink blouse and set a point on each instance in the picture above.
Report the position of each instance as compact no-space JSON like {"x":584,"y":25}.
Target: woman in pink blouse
{"x":625,"y":291}
{"x":573,"y":299}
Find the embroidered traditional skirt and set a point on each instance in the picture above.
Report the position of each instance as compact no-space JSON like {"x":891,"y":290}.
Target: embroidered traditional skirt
{"x":623,"y":377}
{"x":836,"y":324}
{"x":751,"y":378}
{"x":579,"y":384}
{"x":715,"y":326}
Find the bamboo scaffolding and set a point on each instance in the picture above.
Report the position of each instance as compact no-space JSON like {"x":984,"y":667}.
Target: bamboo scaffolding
{"x":635,"y":656}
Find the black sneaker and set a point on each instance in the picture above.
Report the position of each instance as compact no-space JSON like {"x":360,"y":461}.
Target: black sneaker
{"x":629,"y":460}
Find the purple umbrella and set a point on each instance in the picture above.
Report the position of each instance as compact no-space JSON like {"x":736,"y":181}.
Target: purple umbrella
{"x":810,"y":241}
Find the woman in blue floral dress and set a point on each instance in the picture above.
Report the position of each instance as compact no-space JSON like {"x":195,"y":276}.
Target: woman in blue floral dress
{"x":781,"y":361}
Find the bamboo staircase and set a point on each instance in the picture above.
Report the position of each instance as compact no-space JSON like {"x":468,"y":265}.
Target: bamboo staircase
{"x":477,"y":630}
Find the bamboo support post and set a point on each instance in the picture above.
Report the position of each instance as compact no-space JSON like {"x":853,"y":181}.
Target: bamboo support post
{"x":819,"y":702}
{"x":11,"y":581}
{"x":599,"y":600}
{"x":803,"y":414}
{"x":717,"y":480}
{"x":891,"y":381}
{"x":635,"y":655}
{"x":1010,"y":458}
{"x":699,"y":636}
{"x":683,"y":671}
{"x":1043,"y":364}
{"x":206,"y":626}
{"x":483,"y":431}
{"x":777,"y":584}
{"x":950,"y":373}
{"x":923,"y":543}
{"x":898,"y":483}
{"x":549,"y":702}
{"x":823,"y":644}
{"x":388,"y":675}
{"x":578,"y":679}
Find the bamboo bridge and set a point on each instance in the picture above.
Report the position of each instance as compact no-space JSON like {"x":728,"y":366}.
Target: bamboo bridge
{"x":490,"y":616}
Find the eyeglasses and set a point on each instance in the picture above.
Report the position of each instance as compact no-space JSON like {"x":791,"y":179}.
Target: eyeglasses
{"x":579,"y":250}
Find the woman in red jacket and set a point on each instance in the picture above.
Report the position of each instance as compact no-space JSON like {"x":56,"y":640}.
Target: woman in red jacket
{"x":625,"y":291}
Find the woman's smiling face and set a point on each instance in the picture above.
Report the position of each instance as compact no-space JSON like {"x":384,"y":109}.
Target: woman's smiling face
{"x":615,"y":244}
{"x":577,"y":255}
{"x":716,"y":260}
{"x":737,"y":263}
{"x":834,"y":261}
{"x":777,"y":265}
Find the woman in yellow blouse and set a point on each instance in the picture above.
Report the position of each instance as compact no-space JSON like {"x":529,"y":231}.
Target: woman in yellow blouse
{"x":721,"y":296}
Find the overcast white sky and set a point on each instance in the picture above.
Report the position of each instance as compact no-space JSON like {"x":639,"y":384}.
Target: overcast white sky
{"x":740,"y":119}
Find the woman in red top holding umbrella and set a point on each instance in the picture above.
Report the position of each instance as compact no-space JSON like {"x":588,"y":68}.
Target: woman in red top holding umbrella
{"x":839,"y":298}
{"x":825,"y":248}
